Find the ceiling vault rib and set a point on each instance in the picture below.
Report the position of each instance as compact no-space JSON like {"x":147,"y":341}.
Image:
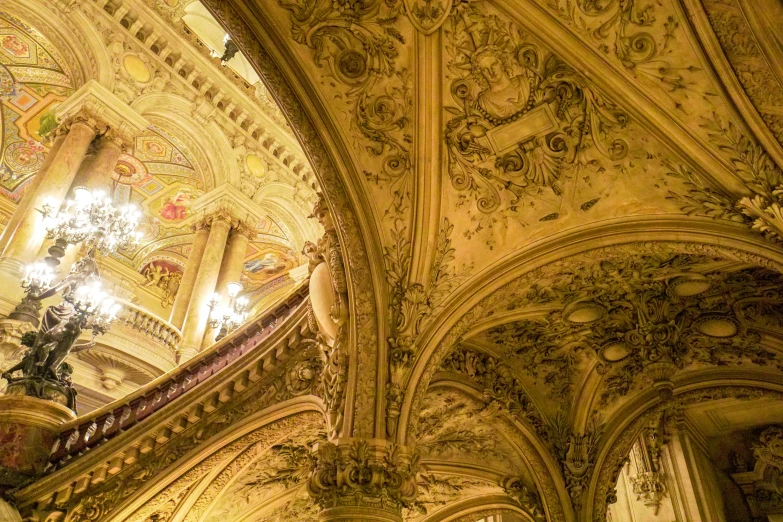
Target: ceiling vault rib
{"x":654,"y":118}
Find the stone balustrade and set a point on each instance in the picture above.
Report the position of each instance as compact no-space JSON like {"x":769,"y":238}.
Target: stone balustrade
{"x":94,"y":429}
{"x":150,"y":325}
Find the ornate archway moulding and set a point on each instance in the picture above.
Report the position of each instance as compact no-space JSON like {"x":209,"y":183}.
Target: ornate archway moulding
{"x":625,"y":425}
{"x":731,"y":83}
{"x":530,"y":448}
{"x":610,"y":78}
{"x":276,"y":413}
{"x":359,"y":237}
{"x":475,"y":506}
{"x":74,"y":36}
{"x":466,"y":307}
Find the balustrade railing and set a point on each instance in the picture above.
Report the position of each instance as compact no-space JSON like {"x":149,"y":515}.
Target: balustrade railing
{"x":99,"y":426}
{"x":150,"y":325}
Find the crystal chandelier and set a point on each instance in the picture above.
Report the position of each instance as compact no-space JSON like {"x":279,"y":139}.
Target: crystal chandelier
{"x":92,"y":218}
{"x":94,"y":308}
{"x":228,"y":318}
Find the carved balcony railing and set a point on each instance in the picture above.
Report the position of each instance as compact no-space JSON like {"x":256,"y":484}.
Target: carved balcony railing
{"x":150,"y":325}
{"x":87,"y":433}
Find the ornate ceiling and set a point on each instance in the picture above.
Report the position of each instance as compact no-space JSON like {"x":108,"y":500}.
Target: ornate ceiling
{"x":34,"y":77}
{"x":166,"y":169}
{"x":556,"y":222}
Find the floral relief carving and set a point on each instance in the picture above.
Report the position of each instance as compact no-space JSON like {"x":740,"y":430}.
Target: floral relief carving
{"x":357,"y":43}
{"x":747,"y":61}
{"x":364,"y":473}
{"x":528,"y":138}
{"x":412,"y":304}
{"x":501,"y":387}
{"x":764,"y":210}
{"x":644,"y":320}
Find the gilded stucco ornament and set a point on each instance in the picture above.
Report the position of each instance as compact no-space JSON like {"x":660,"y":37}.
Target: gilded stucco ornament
{"x":364,"y":313}
{"x":364,"y":473}
{"x":648,"y":318}
{"x":358,"y":44}
{"x":528,"y":500}
{"x":299,"y":376}
{"x":527,"y":136}
{"x":329,"y":313}
{"x":412,"y":304}
{"x":763,"y":210}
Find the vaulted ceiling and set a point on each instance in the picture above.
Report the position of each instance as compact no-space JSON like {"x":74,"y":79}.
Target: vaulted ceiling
{"x":558,"y":218}
{"x":552,"y":198}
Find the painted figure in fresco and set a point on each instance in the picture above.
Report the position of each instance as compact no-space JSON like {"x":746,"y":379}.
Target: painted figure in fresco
{"x":507,"y":92}
{"x":176,"y":207}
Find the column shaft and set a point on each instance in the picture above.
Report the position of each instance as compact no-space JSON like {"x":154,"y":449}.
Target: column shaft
{"x":230,"y":269}
{"x":97,"y":175}
{"x":234,"y":260}
{"x":55,"y":183}
{"x":180,"y":308}
{"x":204,"y":286}
{"x":21,"y":209}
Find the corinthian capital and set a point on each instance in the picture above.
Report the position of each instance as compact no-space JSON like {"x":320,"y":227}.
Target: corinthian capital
{"x":364,"y":474}
{"x":98,"y":107}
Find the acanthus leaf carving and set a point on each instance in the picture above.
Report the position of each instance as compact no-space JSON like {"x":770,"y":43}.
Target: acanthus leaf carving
{"x":359,"y":472}
{"x":762,"y":211}
{"x":528,"y":137}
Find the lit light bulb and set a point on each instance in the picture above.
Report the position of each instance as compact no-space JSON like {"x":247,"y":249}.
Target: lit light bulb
{"x":233,"y":288}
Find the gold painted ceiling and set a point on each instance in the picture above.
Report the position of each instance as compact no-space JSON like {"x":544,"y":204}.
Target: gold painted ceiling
{"x":555,"y":222}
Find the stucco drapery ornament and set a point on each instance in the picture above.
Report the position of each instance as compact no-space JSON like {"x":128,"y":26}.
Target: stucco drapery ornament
{"x":364,"y":473}
{"x":328,"y":312}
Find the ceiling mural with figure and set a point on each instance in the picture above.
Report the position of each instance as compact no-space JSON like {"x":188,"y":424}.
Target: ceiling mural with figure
{"x":162,"y":177}
{"x":34,"y":78}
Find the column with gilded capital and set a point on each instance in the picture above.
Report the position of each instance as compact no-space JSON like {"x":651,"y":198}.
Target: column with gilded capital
{"x":204,"y":286}
{"x":24,"y":242}
{"x":181,"y":302}
{"x":232,"y":265}
{"x":88,"y":112}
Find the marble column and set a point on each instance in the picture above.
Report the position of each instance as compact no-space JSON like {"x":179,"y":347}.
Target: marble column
{"x":53,"y":182}
{"x":32,"y":187}
{"x":204,"y":286}
{"x":231,"y":268}
{"x":97,"y":173}
{"x":180,"y":307}
{"x":234,"y":260}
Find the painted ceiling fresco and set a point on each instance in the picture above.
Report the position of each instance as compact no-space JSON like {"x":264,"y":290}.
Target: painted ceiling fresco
{"x":161,"y":174}
{"x":33,"y":79}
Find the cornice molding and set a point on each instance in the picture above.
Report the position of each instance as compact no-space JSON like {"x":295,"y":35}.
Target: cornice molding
{"x":97,"y":101}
